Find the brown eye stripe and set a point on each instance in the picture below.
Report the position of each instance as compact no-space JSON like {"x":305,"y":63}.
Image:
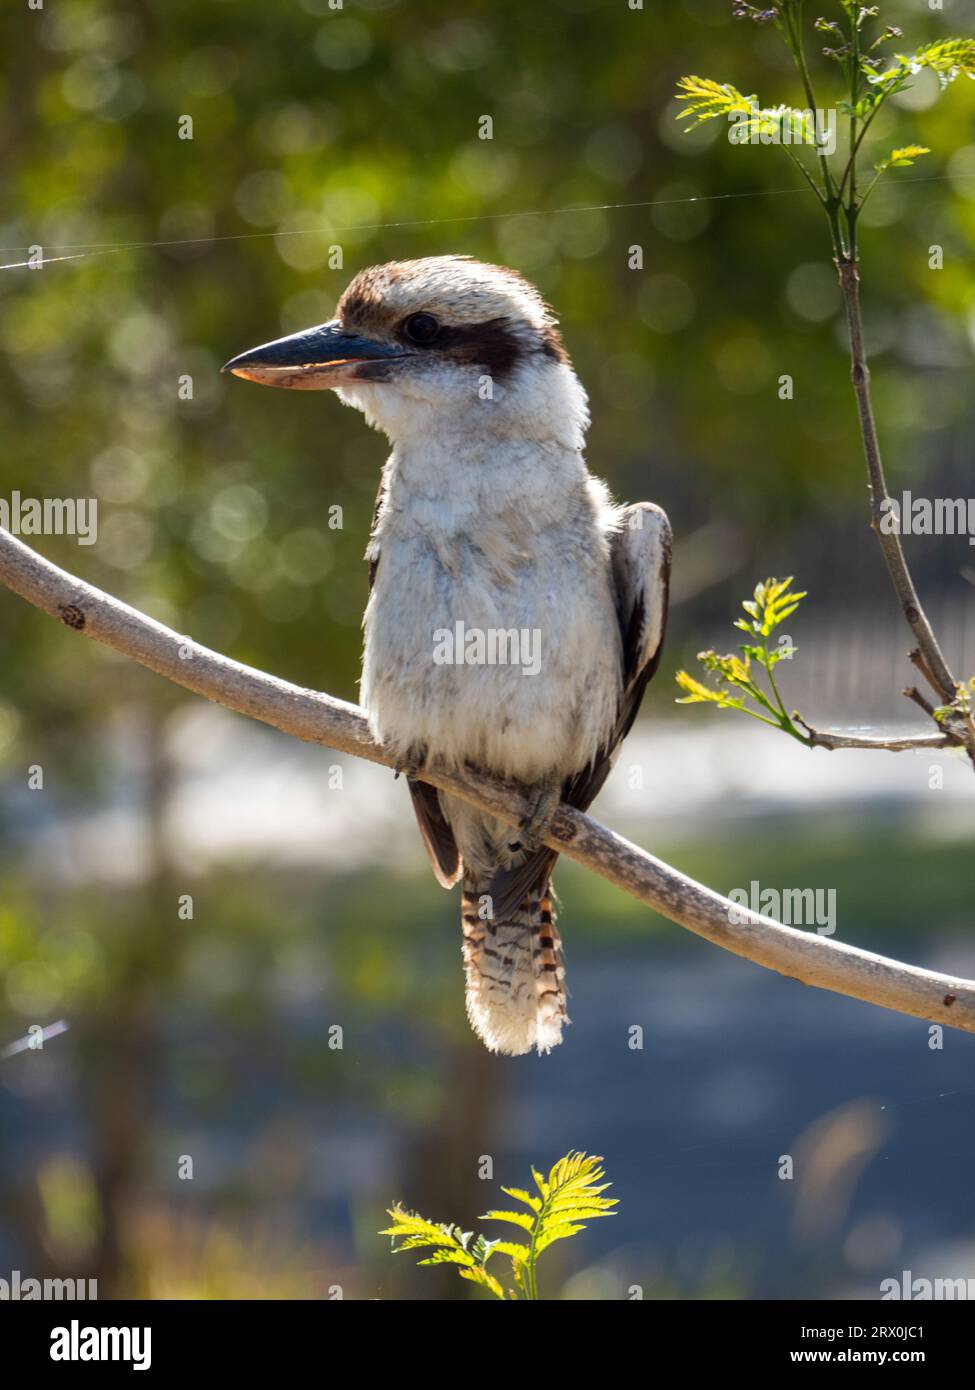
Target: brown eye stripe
{"x":497,"y":345}
{"x":494,"y":344}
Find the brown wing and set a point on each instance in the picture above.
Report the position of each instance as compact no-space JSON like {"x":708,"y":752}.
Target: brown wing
{"x":640,"y":557}
{"x":437,"y":834}
{"x":434,"y":826}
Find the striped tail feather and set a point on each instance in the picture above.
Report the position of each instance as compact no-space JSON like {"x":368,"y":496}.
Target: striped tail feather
{"x":515,"y":975}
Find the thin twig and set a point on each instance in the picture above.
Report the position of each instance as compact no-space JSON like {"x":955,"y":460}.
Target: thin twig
{"x":317,"y":718}
{"x":825,"y":738}
{"x":914,"y":694}
{"x":929,"y":658}
{"x":916,"y":659}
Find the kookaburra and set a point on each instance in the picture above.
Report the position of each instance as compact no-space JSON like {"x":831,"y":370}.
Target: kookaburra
{"x":515,"y":613}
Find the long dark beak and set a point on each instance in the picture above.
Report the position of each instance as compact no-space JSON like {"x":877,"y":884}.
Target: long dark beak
{"x":315,"y":359}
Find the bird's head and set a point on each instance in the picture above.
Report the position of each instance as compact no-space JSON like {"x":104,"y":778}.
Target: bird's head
{"x":418,"y":345}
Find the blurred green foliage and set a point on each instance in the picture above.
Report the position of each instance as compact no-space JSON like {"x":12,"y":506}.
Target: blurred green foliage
{"x":306,"y":117}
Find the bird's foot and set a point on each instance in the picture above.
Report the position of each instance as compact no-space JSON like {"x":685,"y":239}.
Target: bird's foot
{"x":544,"y":799}
{"x":411,"y":762}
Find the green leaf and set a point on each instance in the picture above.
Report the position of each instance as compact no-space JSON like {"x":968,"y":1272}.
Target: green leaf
{"x":729,"y":667}
{"x":587,"y":1209}
{"x":456,"y":1257}
{"x":479,"y":1275}
{"x":561,"y":1231}
{"x":778,"y":654}
{"x":511,"y":1248}
{"x":414,"y":1231}
{"x":520,"y":1195}
{"x":949,"y":58}
{"x":514,"y":1218}
{"x":707,"y":99}
{"x":697,"y":693}
{"x":781,"y":613}
{"x":902,"y":158}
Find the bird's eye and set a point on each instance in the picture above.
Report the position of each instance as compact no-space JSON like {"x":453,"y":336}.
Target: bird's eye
{"x":421,"y":328}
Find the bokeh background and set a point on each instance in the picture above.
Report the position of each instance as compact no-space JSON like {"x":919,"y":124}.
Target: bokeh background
{"x":312,"y":906}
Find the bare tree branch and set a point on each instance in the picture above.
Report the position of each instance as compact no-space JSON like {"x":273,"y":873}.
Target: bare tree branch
{"x":914,"y":615}
{"x":928,"y":657}
{"x":914,"y":694}
{"x":824,"y":738}
{"x":317,"y":718}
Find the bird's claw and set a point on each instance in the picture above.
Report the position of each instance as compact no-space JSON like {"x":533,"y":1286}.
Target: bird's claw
{"x":544,"y":800}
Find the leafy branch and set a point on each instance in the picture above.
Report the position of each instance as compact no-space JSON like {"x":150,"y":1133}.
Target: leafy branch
{"x":870,"y":80}
{"x":707,"y":100}
{"x":897,"y":159}
{"x":740,"y":684}
{"x":774,"y":600}
{"x":786,"y":125}
{"x":570,"y":1196}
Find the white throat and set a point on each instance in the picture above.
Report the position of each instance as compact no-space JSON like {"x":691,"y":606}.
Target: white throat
{"x":543,"y":403}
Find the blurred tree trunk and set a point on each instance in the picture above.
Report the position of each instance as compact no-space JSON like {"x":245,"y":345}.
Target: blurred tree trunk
{"x":122,"y":1039}
{"x":441,"y":1173}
